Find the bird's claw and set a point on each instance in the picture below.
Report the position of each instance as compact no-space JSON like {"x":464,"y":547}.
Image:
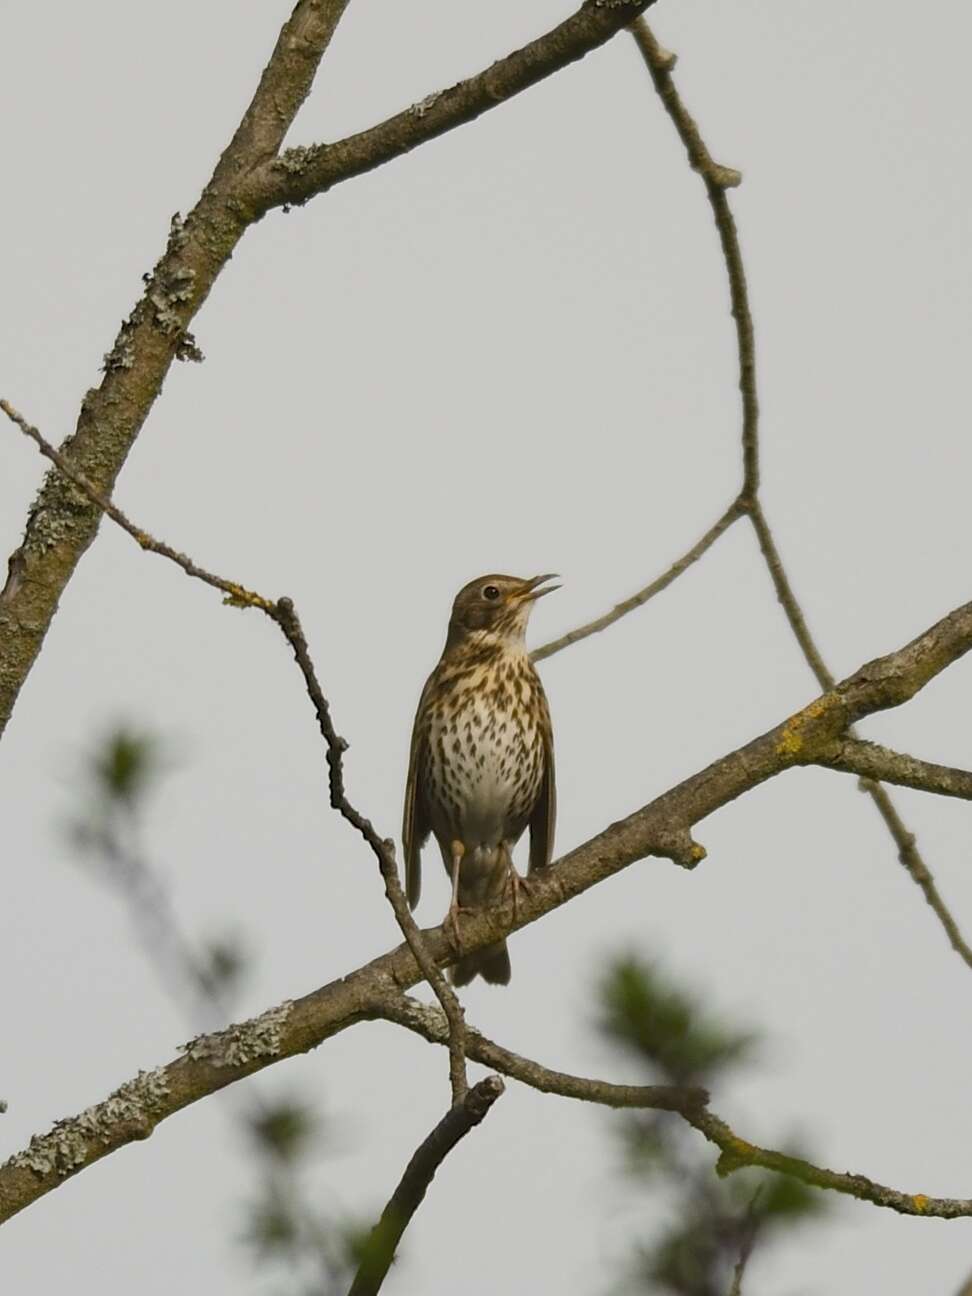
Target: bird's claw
{"x":517,"y":883}
{"x":451,"y":924}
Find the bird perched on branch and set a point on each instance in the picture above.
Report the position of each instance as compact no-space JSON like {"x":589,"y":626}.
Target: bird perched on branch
{"x":481,"y":768}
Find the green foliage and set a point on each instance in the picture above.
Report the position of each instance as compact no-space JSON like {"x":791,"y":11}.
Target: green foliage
{"x":124,"y":765}
{"x":280,"y":1226}
{"x":220,"y":967}
{"x":713,"y":1223}
{"x":665,"y":1027}
{"x":284,"y":1129}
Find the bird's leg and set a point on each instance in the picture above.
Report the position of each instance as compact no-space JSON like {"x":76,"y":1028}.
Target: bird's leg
{"x":452,"y":917}
{"x":517,"y":882}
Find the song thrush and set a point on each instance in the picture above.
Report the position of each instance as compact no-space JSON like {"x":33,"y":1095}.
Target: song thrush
{"x":481,"y":767}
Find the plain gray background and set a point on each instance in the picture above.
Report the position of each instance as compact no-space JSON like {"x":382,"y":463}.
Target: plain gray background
{"x":510,"y":350}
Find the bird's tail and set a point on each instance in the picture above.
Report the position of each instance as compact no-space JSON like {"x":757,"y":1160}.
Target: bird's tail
{"x":491,"y":963}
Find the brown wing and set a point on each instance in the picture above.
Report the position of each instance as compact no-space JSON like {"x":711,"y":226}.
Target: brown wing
{"x":416,"y":825}
{"x":544,"y":817}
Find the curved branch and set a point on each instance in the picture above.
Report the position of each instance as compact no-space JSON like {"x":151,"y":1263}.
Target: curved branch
{"x":690,"y":1104}
{"x":717,"y":180}
{"x":428,"y":1022}
{"x":379,"y":1250}
{"x":662,"y":828}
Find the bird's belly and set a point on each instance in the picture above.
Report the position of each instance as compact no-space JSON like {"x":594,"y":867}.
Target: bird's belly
{"x":486,"y":767}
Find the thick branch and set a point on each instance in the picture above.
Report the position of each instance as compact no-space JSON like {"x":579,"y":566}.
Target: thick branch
{"x":407,"y":1197}
{"x":661,"y":828}
{"x":870,"y":760}
{"x":300,"y":173}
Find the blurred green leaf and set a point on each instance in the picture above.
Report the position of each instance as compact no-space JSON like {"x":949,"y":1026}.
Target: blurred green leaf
{"x":124,"y":764}
{"x":664,"y":1026}
{"x":284,"y":1129}
{"x":221,"y":965}
{"x":781,"y":1200}
{"x":273,"y":1230}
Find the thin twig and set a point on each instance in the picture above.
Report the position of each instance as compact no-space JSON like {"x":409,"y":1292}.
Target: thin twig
{"x":750,"y":1229}
{"x":383,"y":848}
{"x":912,"y":860}
{"x":662,"y":582}
{"x":718,"y":179}
{"x":379,"y":1250}
{"x":735,"y":1153}
{"x":283,"y":613}
{"x":870,"y":761}
{"x":428,"y":1022}
{"x":236,"y":594}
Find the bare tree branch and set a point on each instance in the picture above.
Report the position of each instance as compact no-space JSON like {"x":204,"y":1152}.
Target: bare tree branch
{"x":718,"y":179}
{"x":689,"y":1104}
{"x":407,"y":1197}
{"x":871,"y":761}
{"x":426,"y":1020}
{"x":911,"y":858}
{"x":662,"y":582}
{"x":662,"y":828}
{"x":283,"y":613}
{"x":301,"y":173}
{"x":751,"y":1228}
{"x":247,"y":181}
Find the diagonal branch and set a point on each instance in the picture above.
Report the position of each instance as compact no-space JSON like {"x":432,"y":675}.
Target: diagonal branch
{"x":662,"y":828}
{"x":379,"y":1250}
{"x":284,"y":615}
{"x":301,"y":173}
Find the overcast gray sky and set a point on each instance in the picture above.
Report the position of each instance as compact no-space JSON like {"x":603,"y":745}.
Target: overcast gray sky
{"x":510,"y":350}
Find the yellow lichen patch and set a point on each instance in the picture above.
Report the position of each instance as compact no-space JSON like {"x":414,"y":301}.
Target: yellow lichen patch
{"x":920,"y":1203}
{"x":792,"y":739}
{"x":240,"y":597}
{"x":698,"y":852}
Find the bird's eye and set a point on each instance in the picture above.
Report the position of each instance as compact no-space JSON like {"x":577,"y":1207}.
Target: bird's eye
{"x":490,"y":592}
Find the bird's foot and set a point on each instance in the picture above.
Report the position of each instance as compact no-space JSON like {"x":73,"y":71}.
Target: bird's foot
{"x":451,"y":923}
{"x":518,"y":883}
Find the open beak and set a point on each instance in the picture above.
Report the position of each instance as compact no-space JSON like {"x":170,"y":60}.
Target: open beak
{"x":532,"y":590}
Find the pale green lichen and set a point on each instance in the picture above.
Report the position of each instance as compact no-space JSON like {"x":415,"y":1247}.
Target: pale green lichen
{"x":422,"y":107}
{"x":294,"y":160}
{"x":242,"y":1043}
{"x":167,"y":291}
{"x":68,"y":1144}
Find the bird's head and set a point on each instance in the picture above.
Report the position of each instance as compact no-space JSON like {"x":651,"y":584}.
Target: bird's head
{"x":496,"y":608}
